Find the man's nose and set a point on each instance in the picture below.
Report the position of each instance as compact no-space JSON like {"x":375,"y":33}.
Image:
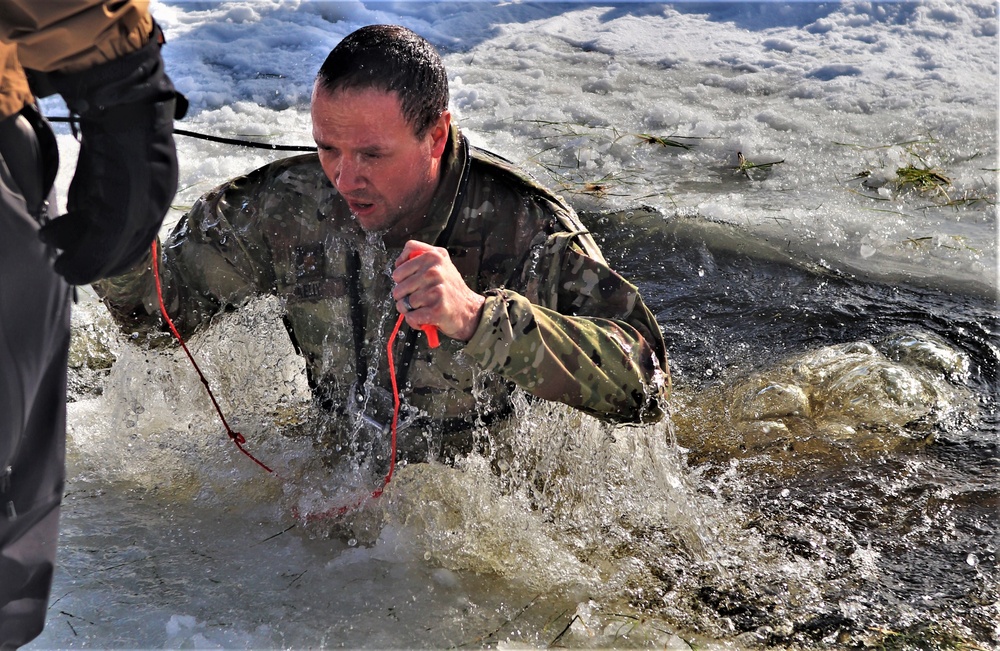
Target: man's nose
{"x":349,"y":176}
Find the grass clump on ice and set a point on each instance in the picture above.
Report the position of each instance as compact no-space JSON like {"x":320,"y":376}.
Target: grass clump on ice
{"x":575,"y":177}
{"x":744,"y":166}
{"x":912,"y":173}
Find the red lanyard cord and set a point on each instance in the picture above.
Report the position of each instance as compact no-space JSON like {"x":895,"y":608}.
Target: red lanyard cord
{"x":338,"y":511}
{"x":237,"y":438}
{"x":240,"y":441}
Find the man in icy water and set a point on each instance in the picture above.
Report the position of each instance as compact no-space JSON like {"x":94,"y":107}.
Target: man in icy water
{"x":398,"y":214}
{"x":104,"y":59}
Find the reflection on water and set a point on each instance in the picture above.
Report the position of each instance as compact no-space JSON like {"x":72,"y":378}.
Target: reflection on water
{"x":831,"y":476}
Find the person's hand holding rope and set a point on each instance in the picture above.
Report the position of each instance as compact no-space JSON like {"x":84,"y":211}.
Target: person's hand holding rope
{"x":430,"y":291}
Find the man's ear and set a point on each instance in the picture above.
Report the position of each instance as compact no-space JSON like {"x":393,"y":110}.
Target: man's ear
{"x":439,"y":133}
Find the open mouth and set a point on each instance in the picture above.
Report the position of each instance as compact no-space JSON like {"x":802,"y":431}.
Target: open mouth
{"x":360,"y":207}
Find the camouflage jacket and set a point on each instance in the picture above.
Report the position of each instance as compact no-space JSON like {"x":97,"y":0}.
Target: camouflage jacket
{"x":557,"y":322}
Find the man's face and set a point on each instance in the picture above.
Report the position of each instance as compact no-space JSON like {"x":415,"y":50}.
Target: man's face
{"x":385,"y":172}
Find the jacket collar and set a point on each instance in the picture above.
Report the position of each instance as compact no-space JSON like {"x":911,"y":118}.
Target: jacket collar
{"x":443,"y":203}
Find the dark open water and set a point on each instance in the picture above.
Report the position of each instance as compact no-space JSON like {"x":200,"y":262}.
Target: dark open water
{"x":905,"y":516}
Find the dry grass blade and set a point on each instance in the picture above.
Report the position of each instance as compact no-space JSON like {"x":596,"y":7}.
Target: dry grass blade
{"x":904,"y":144}
{"x":970,"y":199}
{"x":923,"y":179}
{"x":650,"y":139}
{"x":600,"y":188}
{"x":745,"y":165}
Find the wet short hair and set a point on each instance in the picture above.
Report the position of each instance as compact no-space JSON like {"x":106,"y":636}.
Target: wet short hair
{"x":390,"y":58}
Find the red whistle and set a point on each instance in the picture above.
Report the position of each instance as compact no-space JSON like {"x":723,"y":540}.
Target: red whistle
{"x":432,"y":335}
{"x":429,"y":330}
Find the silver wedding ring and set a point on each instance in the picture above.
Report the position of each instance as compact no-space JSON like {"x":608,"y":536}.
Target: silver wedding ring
{"x":406,"y":303}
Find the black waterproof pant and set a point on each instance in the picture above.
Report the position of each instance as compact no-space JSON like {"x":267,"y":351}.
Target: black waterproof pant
{"x":34,"y":345}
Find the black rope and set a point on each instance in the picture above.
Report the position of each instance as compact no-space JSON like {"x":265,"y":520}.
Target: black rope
{"x":226,"y":141}
{"x":243,"y":143}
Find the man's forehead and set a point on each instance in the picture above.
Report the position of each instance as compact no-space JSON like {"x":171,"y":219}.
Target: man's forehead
{"x":369,"y":115}
{"x":325,"y":96}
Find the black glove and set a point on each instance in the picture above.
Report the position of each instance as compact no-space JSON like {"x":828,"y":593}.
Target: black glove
{"x":126,"y":174}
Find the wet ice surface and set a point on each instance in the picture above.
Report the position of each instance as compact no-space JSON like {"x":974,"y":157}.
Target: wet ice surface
{"x":140,"y":571}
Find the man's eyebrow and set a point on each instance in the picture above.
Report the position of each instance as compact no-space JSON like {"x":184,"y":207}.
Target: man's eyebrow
{"x":373,"y":148}
{"x":377,"y":148}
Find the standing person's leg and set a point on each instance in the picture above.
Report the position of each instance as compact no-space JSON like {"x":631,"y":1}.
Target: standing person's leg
{"x":34,"y":345}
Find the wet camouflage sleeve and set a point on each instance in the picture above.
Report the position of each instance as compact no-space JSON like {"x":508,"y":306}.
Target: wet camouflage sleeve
{"x":600,"y":350}
{"x":212,"y":260}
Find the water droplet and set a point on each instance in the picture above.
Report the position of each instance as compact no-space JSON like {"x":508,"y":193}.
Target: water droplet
{"x":352,"y":542}
{"x":972,"y":560}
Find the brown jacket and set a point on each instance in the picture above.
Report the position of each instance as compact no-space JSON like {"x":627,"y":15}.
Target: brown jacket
{"x":64,"y":36}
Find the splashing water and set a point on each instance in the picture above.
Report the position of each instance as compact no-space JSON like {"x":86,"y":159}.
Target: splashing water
{"x":831,"y":475}
{"x":805,"y":485}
